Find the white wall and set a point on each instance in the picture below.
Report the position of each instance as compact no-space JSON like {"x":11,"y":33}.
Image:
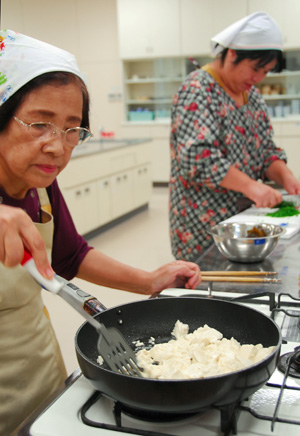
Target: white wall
{"x":88,"y":30}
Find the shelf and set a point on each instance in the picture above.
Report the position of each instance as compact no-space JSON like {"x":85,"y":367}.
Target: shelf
{"x":281,"y":96}
{"x":284,"y":73}
{"x":151,"y":84}
{"x":153,"y":80}
{"x":146,"y":102}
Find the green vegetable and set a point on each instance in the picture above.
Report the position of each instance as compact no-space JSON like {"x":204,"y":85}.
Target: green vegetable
{"x":284,"y":204}
{"x":286,"y":208}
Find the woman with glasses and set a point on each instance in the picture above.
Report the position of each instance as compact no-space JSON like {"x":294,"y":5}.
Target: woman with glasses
{"x":44,"y":114}
{"x":222,"y":138}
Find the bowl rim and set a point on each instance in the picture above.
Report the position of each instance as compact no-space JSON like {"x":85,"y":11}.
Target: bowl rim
{"x":251,"y":223}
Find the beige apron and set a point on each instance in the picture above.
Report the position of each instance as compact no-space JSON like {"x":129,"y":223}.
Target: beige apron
{"x":31,"y":365}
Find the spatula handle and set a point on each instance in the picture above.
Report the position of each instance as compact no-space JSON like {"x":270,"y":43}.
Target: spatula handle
{"x":69,"y":292}
{"x":52,"y":285}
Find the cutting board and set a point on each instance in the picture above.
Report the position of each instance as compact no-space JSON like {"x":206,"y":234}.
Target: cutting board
{"x":258,"y":215}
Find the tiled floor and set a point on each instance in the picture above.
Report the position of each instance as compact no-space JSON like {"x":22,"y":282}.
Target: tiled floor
{"x":141,"y":241}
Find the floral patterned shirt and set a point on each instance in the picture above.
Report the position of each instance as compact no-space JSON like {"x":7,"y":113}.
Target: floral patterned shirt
{"x":209,"y":133}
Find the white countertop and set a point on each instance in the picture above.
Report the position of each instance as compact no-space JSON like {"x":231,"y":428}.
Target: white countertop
{"x":103,"y":145}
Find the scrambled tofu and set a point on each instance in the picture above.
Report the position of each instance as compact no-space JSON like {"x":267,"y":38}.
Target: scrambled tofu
{"x":203,"y":353}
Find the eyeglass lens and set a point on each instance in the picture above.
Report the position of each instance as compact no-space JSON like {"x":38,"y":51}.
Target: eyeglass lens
{"x":73,"y":136}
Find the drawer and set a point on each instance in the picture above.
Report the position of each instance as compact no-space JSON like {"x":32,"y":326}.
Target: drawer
{"x":290,"y":128}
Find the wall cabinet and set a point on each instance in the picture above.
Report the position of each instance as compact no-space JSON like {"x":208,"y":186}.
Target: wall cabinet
{"x":140,"y":24}
{"x":201,"y":19}
{"x":287,"y":134}
{"x":286,"y":13}
{"x":103,"y":186}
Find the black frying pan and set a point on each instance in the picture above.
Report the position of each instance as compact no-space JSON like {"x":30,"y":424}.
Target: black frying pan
{"x":143,"y":319}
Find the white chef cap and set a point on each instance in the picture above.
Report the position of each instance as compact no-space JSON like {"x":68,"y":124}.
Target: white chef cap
{"x":257,"y":31}
{"x":23,"y":58}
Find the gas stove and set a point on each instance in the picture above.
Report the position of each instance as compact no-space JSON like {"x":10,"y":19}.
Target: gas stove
{"x":273,"y":409}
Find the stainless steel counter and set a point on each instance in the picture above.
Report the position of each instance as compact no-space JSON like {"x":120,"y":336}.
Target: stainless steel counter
{"x":285,"y":259}
{"x":103,"y":145}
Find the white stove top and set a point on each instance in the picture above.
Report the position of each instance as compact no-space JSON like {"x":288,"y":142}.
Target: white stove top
{"x":63,"y":416}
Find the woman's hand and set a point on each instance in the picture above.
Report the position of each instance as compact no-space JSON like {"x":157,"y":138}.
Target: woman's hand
{"x":291,"y":184}
{"x":16,"y":231}
{"x":262,"y":195}
{"x":177,"y":274}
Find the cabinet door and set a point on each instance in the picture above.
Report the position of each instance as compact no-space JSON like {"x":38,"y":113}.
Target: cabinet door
{"x":291,"y":24}
{"x":202,"y":19}
{"x":286,"y":13}
{"x":148,"y":28}
{"x":104,"y":201}
{"x":291,"y":147}
{"x":160,"y":160}
{"x":142,"y":185}
{"x":83,"y":205}
{"x":121,"y":194}
{"x":274,"y":8}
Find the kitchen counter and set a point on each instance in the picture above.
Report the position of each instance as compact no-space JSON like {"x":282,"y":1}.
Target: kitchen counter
{"x":103,"y":145}
{"x":284,"y":259}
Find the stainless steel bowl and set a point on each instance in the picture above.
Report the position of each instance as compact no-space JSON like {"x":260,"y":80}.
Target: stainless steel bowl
{"x":234,"y":243}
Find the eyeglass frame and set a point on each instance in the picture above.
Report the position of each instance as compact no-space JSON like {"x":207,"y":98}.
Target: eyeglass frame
{"x":56,"y":130}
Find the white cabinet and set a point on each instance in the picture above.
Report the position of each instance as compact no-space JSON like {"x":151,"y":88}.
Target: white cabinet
{"x":202,"y":19}
{"x":286,"y":13}
{"x":161,"y":160}
{"x":104,"y":203}
{"x":103,"y":186}
{"x":142,"y":182}
{"x":290,"y":142}
{"x":121,"y":193}
{"x":82,"y":202}
{"x":148,"y":28}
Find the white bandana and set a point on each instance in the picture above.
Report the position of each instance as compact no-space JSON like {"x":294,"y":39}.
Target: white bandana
{"x":257,"y":31}
{"x":23,"y":58}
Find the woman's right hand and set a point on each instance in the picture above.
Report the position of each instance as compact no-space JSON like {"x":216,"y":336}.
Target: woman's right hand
{"x":262,"y":195}
{"x":16,"y":231}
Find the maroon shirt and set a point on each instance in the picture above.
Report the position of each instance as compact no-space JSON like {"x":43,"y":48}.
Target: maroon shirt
{"x":69,"y":248}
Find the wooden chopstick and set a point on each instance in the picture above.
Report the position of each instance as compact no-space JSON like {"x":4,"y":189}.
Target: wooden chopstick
{"x":238,"y":273}
{"x":238,"y":279}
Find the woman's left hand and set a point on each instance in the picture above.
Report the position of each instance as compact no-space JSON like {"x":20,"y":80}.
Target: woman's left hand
{"x":177,"y":274}
{"x":291,"y":185}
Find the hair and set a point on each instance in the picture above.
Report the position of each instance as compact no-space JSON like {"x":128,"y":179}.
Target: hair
{"x":263,"y":57}
{"x":59,"y":78}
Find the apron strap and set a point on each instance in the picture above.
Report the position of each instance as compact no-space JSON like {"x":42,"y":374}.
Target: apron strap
{"x":45,"y":205}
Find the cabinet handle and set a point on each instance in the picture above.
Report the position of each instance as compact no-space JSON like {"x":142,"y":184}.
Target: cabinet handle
{"x":125,"y":176}
{"x":77,"y":193}
{"x":87,"y":190}
{"x":106,"y":183}
{"x":118,"y":179}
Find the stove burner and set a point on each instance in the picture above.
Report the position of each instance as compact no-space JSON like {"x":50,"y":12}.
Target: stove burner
{"x":151,"y":416}
{"x":284,"y":361}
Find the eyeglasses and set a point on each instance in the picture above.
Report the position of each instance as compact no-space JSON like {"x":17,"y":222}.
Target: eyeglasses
{"x":73,"y":136}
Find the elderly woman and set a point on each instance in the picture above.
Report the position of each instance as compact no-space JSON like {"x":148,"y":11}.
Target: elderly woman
{"x":43,"y":116}
{"x":221,"y":136}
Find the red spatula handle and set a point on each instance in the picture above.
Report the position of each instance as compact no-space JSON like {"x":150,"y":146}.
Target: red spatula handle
{"x":51,"y":285}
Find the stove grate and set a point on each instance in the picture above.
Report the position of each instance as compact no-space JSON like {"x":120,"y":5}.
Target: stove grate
{"x":290,"y":326}
{"x":228,"y":419}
